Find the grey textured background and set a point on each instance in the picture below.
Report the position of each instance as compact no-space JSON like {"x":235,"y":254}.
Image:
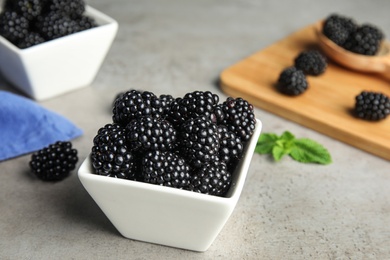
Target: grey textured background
{"x":287,"y":210}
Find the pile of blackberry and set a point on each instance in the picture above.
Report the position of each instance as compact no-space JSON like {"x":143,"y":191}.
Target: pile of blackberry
{"x":192,"y":142}
{"x":26,"y":23}
{"x":363,"y":39}
{"x":372,"y":106}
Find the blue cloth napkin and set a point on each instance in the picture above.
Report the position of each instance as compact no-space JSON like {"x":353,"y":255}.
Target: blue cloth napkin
{"x":26,"y":127}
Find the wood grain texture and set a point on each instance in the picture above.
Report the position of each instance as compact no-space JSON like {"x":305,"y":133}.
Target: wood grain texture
{"x":327,"y":104}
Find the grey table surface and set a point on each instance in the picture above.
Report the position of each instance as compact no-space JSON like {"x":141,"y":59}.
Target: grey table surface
{"x":287,"y":210}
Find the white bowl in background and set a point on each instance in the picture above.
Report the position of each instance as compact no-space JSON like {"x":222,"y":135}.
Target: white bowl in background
{"x":165,"y":215}
{"x":61,"y":65}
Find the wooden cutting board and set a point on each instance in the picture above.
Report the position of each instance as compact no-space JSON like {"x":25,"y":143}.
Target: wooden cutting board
{"x":327,"y":104}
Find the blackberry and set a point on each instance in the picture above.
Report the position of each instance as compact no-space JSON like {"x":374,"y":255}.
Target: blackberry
{"x":13,"y":26}
{"x":231,"y":146}
{"x":134,"y":104}
{"x":239,"y":117}
{"x":372,"y":106}
{"x":72,"y":8}
{"x":365,"y":40}
{"x":166,"y":103}
{"x":29,"y":9}
{"x":54,"y":25}
{"x":86,"y":22}
{"x":149,"y":133}
{"x":30,"y":40}
{"x":311,"y":62}
{"x":338,"y":28}
{"x":199,"y":140}
{"x":192,"y":105}
{"x":166,"y":169}
{"x":110,"y":155}
{"x":292,"y":82}
{"x":55,"y":162}
{"x":212,"y":178}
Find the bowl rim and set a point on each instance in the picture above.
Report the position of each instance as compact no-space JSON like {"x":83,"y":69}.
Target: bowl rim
{"x":90,"y":11}
{"x":234,"y":192}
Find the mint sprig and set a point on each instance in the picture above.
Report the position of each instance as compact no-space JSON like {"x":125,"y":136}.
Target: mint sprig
{"x":302,"y":150}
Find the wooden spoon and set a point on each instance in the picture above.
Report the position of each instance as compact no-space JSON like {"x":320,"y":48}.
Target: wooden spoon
{"x":380,"y":63}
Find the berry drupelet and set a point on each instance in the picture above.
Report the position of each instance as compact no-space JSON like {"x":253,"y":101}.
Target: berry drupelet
{"x":110,"y":155}
{"x":165,"y":168}
{"x":311,"y":62}
{"x":292,"y":82}
{"x":372,"y":106}
{"x":55,"y":162}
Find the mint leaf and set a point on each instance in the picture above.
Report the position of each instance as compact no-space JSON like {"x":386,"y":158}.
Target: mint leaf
{"x":278,"y":152}
{"x":308,"y":151}
{"x":287,"y":136}
{"x":265,"y":143}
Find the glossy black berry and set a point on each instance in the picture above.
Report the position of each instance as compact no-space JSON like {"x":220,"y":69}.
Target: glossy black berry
{"x":338,"y":28}
{"x":199,"y":140}
{"x":239,"y":117}
{"x":231,"y":146}
{"x":55,"y":162}
{"x":192,"y":105}
{"x":212,"y":178}
{"x":110,"y":155}
{"x":31,"y":39}
{"x":72,"y":8}
{"x":311,"y":62}
{"x":166,"y":169}
{"x":292,"y":82}
{"x":364,"y":40}
{"x":13,"y":26}
{"x":372,"y":106}
{"x":150,"y":133}
{"x":30,"y":9}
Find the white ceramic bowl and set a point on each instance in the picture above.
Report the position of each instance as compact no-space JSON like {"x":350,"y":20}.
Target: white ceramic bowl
{"x":61,"y":65}
{"x":164,"y":215}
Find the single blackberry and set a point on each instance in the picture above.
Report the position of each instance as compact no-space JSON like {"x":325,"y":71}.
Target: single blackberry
{"x":239,"y":117}
{"x":372,"y":106}
{"x":311,"y":62}
{"x":338,"y":28}
{"x":199,"y":140}
{"x":292,"y":82}
{"x":150,"y":133}
{"x":231,"y":146}
{"x":55,"y":25}
{"x":110,"y":155}
{"x":212,"y":178}
{"x":13,"y":26}
{"x":31,"y":39}
{"x":365,"y":40}
{"x":134,"y":104}
{"x":55,"y":162}
{"x":192,"y":105}
{"x":166,"y":103}
{"x":29,"y":9}
{"x":72,"y":8}
{"x":166,"y":169}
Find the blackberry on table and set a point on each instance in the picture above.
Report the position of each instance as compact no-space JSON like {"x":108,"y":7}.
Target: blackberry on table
{"x":372,"y":106}
{"x":311,"y":62}
{"x":239,"y":117}
{"x":212,"y":178}
{"x":110,"y":155}
{"x":55,"y":162}
{"x":292,"y":82}
{"x":13,"y":27}
{"x":165,"y":168}
{"x":365,"y":40}
{"x":338,"y":28}
{"x":192,"y":105}
{"x":150,"y":133}
{"x":199,"y":140}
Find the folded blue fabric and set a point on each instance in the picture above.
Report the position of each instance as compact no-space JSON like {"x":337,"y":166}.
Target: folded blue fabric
{"x":26,"y":127}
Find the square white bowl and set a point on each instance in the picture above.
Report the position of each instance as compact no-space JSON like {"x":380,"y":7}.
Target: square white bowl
{"x":61,"y":65}
{"x":165,"y":215}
